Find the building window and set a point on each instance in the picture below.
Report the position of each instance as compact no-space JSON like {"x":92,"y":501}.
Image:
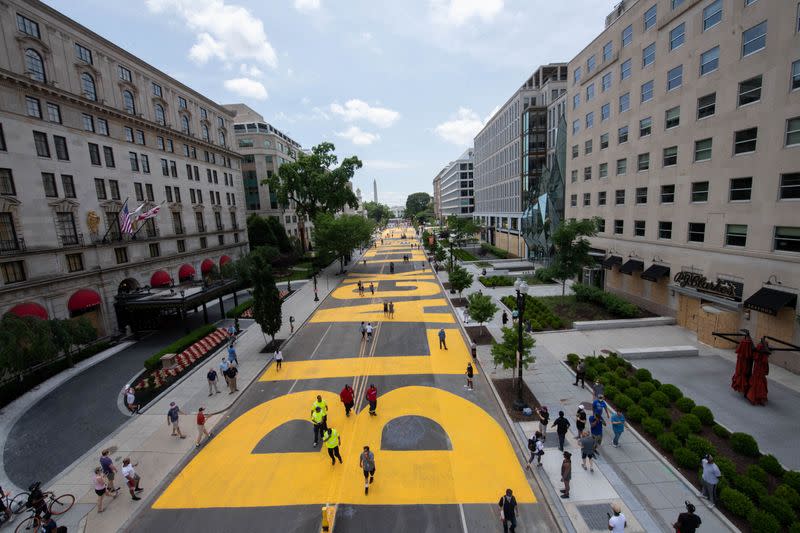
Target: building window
{"x":603,"y":170}
{"x":697,"y":231}
{"x":140,"y":137}
{"x":576,"y":75}
{"x":648,"y":54}
{"x":605,"y":82}
{"x":645,"y":126}
{"x":168,"y":193}
{"x":590,"y":92}
{"x":160,"y":115}
{"x":590,"y":64}
{"x":589,"y":120}
{"x":605,"y":112}
{"x":156,"y":89}
{"x":128,"y":134}
{"x":53,"y":113}
{"x":164,"y":167}
{"x":624,"y":102}
{"x":745,"y":141}
{"x":124,"y":74}
{"x":699,"y":192}
{"x":88,"y":87}
{"x":587,"y":147}
{"x":587,"y":173}
{"x":113,"y":186}
{"x":13,"y":272}
{"x":641,"y":195}
{"x":600,"y":225}
{"x":672,"y":118}
{"x":627,"y":36}
{"x":28,"y":26}
{"x":121,"y":254}
{"x":619,"y":227}
{"x":706,"y":105}
{"x":741,"y":189}
{"x":702,"y":150}
{"x":625,"y":70}
{"x":750,"y":91}
{"x":34,"y":65}
{"x":173,"y":169}
{"x":83,"y":53}
{"x":574,"y":176}
{"x":638,"y":228}
{"x":587,"y":199}
{"x":647,"y":91}
{"x":33,"y":107}
{"x":576,"y":103}
{"x":49,"y":183}
{"x":601,"y":198}
{"x":676,"y":3}
{"x":677,"y":36}
{"x":68,"y":184}
{"x":74,"y":262}
{"x":573,"y":200}
{"x":619,"y":197}
{"x":181,"y":246}
{"x":712,"y":14}
{"x":170,"y":146}
{"x":608,"y":51}
{"x":650,"y":18}
{"x":204,"y":132}
{"x":185,"y":124}
{"x":88,"y":122}
{"x":675,"y":78}
{"x":754,"y":39}
{"x":670,"y":156}
{"x":643,"y":162}
{"x":134,"y":159}
{"x":796,"y":75}
{"x":787,"y":239}
{"x":100,"y":188}
{"x":108,"y":155}
{"x":622,"y":167}
{"x":42,"y":146}
{"x":735,"y":234}
{"x":148,"y":189}
{"x":65,"y":229}
{"x":667,"y":194}
{"x":604,"y":141}
{"x":138,"y":191}
{"x":155,"y":249}
{"x":60,"y":144}
{"x":102,"y":126}
{"x":665,"y":230}
{"x":709,"y":61}
{"x":574,"y":151}
{"x":790,"y":186}
{"x":622,"y":135}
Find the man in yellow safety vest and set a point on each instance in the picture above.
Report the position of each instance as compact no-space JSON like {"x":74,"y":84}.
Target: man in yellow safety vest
{"x":318,"y":419}
{"x":323,"y":405}
{"x":332,"y":440}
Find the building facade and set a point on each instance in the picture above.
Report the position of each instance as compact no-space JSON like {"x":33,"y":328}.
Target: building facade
{"x":684,"y":141}
{"x":85,"y":129}
{"x":511,"y":152}
{"x":456,"y":187}
{"x":437,"y":196}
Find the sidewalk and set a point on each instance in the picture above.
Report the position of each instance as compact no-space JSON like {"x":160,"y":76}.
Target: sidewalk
{"x":147,"y":439}
{"x":634,"y":475}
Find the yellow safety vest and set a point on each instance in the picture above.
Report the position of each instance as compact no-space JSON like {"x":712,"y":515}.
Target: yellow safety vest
{"x":322,"y":406}
{"x":317,"y":416}
{"x":331,"y":438}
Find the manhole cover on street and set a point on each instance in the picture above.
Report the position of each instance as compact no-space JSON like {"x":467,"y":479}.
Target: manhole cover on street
{"x":595,"y":515}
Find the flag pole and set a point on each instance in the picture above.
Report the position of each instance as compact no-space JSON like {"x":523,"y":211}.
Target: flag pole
{"x":141,"y":226}
{"x":116,"y":219}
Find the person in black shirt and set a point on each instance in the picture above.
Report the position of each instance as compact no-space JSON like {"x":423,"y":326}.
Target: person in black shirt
{"x":688,"y":522}
{"x":508,"y":514}
{"x":562,"y":426}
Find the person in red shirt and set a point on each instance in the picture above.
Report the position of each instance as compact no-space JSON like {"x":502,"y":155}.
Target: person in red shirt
{"x":347,"y":399}
{"x":372,"y":398}
{"x":201,"y":426}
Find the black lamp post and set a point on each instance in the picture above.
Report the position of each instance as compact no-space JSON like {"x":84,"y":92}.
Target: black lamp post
{"x":522,"y":290}
{"x":316,"y":297}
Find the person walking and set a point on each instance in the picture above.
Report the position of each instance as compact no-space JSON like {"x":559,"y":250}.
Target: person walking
{"x":278,"y":360}
{"x":132,"y":478}
{"x":371,"y":289}
{"x":688,"y":522}
{"x":536,"y":447}
{"x":231,"y":334}
{"x":332,"y":440}
{"x":223,"y":369}
{"x":372,"y":398}
{"x":232,"y":373}
{"x":598,"y":389}
{"x":391,"y":309}
{"x":596,"y":424}
{"x":562,"y":426}
{"x":173,"y":419}
{"x":580,"y":420}
{"x":618,"y":522}
{"x":580,"y":374}
{"x":711,"y":475}
{"x":101,"y":488}
{"x":442,"y":339}
{"x":504,"y":318}
{"x":385,"y":309}
{"x":109,"y":470}
{"x":544,"y":418}
{"x":391,"y":267}
{"x":566,"y":474}
{"x":363,"y":331}
{"x":346,"y":395}
{"x":232,"y":355}
{"x":599,"y":406}
{"x":323,"y":405}
{"x":291,"y":324}
{"x":618,"y":426}
{"x":201,"y":426}
{"x":470,"y":373}
{"x":211,"y":377}
{"x":587,"y":451}
{"x":508,"y":511}
{"x":369,"y":331}
{"x":360,"y":288}
{"x":367,"y":463}
{"x":130,"y":401}
{"x":318,"y":419}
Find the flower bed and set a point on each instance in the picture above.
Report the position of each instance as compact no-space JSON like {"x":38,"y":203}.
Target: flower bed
{"x":755,"y":492}
{"x":185,"y":359}
{"x":496,"y":281}
{"x":537,"y":313}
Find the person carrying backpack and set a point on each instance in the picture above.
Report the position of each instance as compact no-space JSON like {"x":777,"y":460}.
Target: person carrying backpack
{"x":536,"y":447}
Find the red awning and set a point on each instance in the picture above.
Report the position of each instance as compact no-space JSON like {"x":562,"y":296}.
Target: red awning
{"x":186,"y":272}
{"x":29,"y":309}
{"x":82,"y":300}
{"x":224,"y":259}
{"x":160,"y":278}
{"x":206,"y":266}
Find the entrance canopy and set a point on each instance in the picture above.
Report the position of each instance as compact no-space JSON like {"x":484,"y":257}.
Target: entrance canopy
{"x":770,"y":301}
{"x":83,"y":300}
{"x":611,"y":261}
{"x":631,"y":266}
{"x":655,"y":272}
{"x":29,"y":309}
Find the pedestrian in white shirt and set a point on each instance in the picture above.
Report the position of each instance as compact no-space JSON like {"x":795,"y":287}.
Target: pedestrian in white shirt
{"x":131,"y":477}
{"x":711,"y":475}
{"x":278,"y":359}
{"x":617,"y":523}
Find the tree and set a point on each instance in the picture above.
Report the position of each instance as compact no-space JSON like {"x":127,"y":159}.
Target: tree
{"x":259,"y":232}
{"x":24,"y":343}
{"x":459,"y":279}
{"x":481,"y":307}
{"x":62,"y":337}
{"x":281,"y":238}
{"x":571,"y":249}
{"x":315,"y":185}
{"x":461,"y":228}
{"x":417,"y":202}
{"x":266,"y":297}
{"x":505,"y":353}
{"x":378,"y":212}
{"x":337,"y":237}
{"x":440,"y":254}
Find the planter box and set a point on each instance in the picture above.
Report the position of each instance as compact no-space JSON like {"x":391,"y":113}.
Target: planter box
{"x":624,"y":323}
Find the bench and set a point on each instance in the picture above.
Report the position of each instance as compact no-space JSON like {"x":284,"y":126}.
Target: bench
{"x":653,"y":352}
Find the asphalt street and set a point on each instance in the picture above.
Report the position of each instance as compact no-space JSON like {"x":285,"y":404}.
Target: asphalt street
{"x":443,"y":454}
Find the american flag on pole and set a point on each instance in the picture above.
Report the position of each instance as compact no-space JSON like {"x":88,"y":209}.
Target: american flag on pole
{"x":150,"y":213}
{"x":125,"y":225}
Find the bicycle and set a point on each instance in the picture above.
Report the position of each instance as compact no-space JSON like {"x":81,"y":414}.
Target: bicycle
{"x":16,"y":503}
{"x":55,"y":505}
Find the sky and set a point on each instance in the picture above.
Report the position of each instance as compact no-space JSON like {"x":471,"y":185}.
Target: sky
{"x":404,"y":85}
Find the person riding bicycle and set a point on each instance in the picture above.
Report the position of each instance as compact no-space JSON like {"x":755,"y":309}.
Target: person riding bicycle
{"x":36,"y":498}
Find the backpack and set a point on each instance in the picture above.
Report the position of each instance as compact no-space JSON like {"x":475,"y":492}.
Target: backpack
{"x":531,"y":445}
{"x":539,"y":448}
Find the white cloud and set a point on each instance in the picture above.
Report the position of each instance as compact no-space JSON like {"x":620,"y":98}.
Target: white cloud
{"x":247,"y":88}
{"x":251,"y":71}
{"x":462,"y":128}
{"x":358,"y":136}
{"x":355,"y":109}
{"x":307,"y":5}
{"x":226,"y":32}
{"x":384,"y":164}
{"x":457,"y":12}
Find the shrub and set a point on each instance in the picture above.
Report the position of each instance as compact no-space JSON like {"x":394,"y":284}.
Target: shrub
{"x":681,"y":429}
{"x":762,"y":522}
{"x":721,"y":431}
{"x":704,"y":414}
{"x":744,"y":444}
{"x":647,"y":404}
{"x":613,"y":303}
{"x":771,"y":465}
{"x":684,"y":404}
{"x":621,"y":371}
{"x":636,"y":413}
{"x":686,"y":458}
{"x":623,"y":402}
{"x":661,"y":399}
{"x":792,"y":478}
{"x":634,"y":393}
{"x":693,"y":422}
{"x":787,"y":493}
{"x":700,"y":446}
{"x":736,"y":502}
{"x":726,"y":467}
{"x":623,"y":383}
{"x":794,"y":528}
{"x":749,"y":486}
{"x":237,"y":311}
{"x":644,"y":375}
{"x":757,"y":473}
{"x":613,"y":361}
{"x":573,"y":359}
{"x":611,"y":393}
{"x":663,"y":414}
{"x":779,"y":508}
{"x":154,"y":361}
{"x":672,"y":392}
{"x":652,"y":426}
{"x":668,"y":441}
{"x":647,"y":388}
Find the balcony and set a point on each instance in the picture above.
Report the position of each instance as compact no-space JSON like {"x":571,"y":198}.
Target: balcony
{"x":70,"y":239}
{"x":220,"y":227}
{"x":12,"y":246}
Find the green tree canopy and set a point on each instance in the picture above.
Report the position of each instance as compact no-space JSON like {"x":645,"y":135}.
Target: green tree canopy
{"x":259,"y":232}
{"x":281,"y":238}
{"x":338,"y":236}
{"x":461,"y":228}
{"x":417,"y":202}
{"x":266,"y":297}
{"x":459,"y":279}
{"x":505,"y":353}
{"x":481,"y":307}
{"x":571,"y":244}
{"x":378,"y":212}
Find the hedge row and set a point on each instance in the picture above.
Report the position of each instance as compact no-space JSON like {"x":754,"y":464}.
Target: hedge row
{"x":154,"y":361}
{"x":494,"y":250}
{"x":496,"y":281}
{"x":646,"y":402}
{"x":613,"y":303}
{"x":463,"y":255}
{"x":537,"y":313}
{"x":237,"y":311}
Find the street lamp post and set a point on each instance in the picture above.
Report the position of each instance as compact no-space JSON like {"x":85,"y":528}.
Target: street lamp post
{"x":316,"y":297}
{"x":522,"y":290}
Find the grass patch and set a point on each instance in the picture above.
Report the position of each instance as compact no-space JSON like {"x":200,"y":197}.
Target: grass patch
{"x":463,"y":255}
